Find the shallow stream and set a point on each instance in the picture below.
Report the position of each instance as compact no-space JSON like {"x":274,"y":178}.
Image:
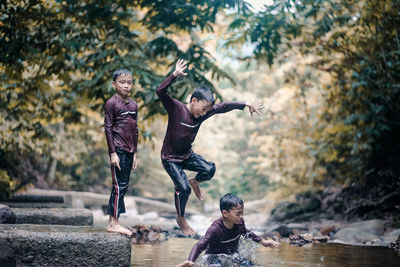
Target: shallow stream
{"x":176,"y":250}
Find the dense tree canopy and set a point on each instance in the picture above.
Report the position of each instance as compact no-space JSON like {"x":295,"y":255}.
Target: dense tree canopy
{"x":339,"y":58}
{"x":57,"y":58}
{"x":354,"y":139}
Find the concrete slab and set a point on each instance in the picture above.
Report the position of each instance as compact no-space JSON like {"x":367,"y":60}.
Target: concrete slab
{"x":36,"y":198}
{"x":53,"y":216}
{"x":36,"y":205}
{"x":94,"y":201}
{"x":59,"y":245}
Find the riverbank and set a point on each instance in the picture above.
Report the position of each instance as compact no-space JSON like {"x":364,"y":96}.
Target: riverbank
{"x":142,"y":211}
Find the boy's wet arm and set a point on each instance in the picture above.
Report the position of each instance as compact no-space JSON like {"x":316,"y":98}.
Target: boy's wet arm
{"x":162,"y":88}
{"x":224,"y":107}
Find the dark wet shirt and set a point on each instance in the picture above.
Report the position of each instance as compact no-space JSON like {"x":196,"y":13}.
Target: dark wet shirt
{"x":120,"y":124}
{"x":219,"y":239}
{"x":182,"y":125}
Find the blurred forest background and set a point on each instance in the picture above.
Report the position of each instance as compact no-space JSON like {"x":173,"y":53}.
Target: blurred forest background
{"x":327,"y":72}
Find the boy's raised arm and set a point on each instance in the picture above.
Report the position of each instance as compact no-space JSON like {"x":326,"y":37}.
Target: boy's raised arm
{"x":166,"y":99}
{"x":179,"y":71}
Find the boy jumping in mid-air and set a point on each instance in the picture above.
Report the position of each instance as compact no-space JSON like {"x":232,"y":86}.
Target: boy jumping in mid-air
{"x":222,"y":237}
{"x":120,"y":126}
{"x":184,"y":121}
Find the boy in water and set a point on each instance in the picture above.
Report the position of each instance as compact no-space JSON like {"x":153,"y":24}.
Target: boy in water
{"x":183,"y":124}
{"x":222,"y":237}
{"x":120,"y":126}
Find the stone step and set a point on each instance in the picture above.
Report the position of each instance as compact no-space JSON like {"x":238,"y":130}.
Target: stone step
{"x":60,"y":245}
{"x":36,"y":205}
{"x":36,"y":198}
{"x":90,"y":200}
{"x":53,"y":216}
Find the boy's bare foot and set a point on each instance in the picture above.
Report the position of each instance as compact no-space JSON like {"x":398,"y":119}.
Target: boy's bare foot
{"x":115,"y":227}
{"x":196,"y":188}
{"x":185,"y":227}
{"x":119,"y":229}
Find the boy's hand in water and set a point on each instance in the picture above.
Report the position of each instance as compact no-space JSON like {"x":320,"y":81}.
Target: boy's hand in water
{"x":255,"y":108}
{"x":186,"y":264}
{"x":270,"y":243}
{"x":180,"y":68}
{"x":114,"y":159}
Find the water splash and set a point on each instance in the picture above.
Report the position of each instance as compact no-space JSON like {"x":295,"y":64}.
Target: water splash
{"x":244,"y":257}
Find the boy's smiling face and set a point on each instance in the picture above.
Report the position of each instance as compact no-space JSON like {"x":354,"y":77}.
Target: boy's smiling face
{"x":199,"y":108}
{"x":123,"y":85}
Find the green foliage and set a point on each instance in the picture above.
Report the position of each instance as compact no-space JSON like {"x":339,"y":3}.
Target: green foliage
{"x":358,"y":44}
{"x":5,"y":185}
{"x":187,"y":15}
{"x":267,"y":30}
{"x":364,"y":98}
{"x":57,"y":59}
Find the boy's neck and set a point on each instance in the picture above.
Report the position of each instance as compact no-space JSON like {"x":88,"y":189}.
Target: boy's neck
{"x":227,"y":224}
{"x":125,"y":99}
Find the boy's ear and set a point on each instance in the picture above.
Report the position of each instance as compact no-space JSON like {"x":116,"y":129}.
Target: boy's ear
{"x":224,"y":213}
{"x":194,"y":100}
{"x":113,"y":84}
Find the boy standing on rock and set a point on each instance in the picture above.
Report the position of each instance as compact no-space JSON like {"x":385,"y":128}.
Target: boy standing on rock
{"x":184,"y":122}
{"x":120,"y":126}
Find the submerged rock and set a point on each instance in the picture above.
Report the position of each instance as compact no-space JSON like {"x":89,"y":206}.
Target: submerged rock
{"x":6,"y":214}
{"x":148,"y":234}
{"x":307,"y":207}
{"x":283,"y":231}
{"x":328,"y":230}
{"x":396,"y":244}
{"x":307,"y":238}
{"x":361,"y":233}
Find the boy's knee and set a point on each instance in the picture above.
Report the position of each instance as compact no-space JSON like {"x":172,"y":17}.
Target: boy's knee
{"x":185,"y":192}
{"x":188,"y":191}
{"x":207,"y":174}
{"x":211,"y":171}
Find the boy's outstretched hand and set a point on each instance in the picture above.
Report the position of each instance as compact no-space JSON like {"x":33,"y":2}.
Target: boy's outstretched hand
{"x":255,"y":108}
{"x":270,"y":243}
{"x":180,"y":68}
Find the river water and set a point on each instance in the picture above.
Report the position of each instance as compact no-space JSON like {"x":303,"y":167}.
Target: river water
{"x":176,"y":250}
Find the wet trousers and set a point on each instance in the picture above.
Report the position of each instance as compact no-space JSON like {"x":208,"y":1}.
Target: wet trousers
{"x":120,"y":182}
{"x":205,"y":171}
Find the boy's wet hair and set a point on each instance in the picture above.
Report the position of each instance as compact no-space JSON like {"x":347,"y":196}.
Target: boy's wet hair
{"x":203,"y":93}
{"x":120,"y":72}
{"x":229,"y":201}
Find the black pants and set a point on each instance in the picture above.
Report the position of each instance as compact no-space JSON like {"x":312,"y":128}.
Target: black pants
{"x":205,"y":171}
{"x":120,"y":182}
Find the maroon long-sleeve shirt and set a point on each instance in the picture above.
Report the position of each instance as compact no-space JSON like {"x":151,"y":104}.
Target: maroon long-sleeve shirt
{"x":221,"y":240}
{"x":120,"y":124}
{"x":182,"y":125}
